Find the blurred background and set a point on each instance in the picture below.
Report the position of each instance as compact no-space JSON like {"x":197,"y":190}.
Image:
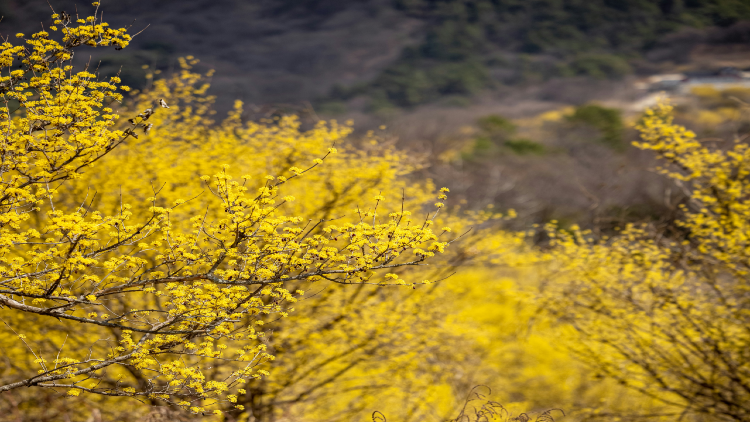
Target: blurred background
{"x":525,"y":104}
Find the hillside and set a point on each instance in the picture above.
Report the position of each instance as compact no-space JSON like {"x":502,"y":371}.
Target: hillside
{"x":262,"y":52}
{"x":431,"y":71}
{"x":468,"y":46}
{"x":399,"y":52}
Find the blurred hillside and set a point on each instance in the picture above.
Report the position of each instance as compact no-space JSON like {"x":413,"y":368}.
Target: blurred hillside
{"x":266,"y":51}
{"x":468,"y":46}
{"x":375,"y":54}
{"x":555,"y":76}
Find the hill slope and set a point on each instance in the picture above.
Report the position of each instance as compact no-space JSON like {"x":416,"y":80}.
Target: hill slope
{"x":392,"y":52}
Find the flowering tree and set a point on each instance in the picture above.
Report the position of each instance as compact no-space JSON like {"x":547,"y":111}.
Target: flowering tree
{"x":160,"y":292}
{"x":669,"y":315}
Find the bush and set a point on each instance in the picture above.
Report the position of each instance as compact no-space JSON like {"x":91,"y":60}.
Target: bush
{"x":495,"y":123}
{"x":608,"y":121}
{"x":525,"y":147}
{"x":410,"y":84}
{"x":601,"y":66}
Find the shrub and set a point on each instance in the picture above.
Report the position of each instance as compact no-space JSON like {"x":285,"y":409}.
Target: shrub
{"x":608,"y":121}
{"x":525,"y":147}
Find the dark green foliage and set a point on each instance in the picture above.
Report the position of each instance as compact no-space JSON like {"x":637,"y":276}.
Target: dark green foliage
{"x":525,"y":147}
{"x":496,"y":124}
{"x":495,"y":131}
{"x":608,"y":121}
{"x":563,"y":25}
{"x":415,"y":82}
{"x":575,"y":26}
{"x":600,"y":66}
{"x":463,"y":37}
{"x":496,"y":138}
{"x":716,"y":12}
{"x":452,"y":40}
{"x":483,"y":145}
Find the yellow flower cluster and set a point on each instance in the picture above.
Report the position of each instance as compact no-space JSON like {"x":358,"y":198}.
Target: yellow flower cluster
{"x":666,"y":311}
{"x":168,"y":287}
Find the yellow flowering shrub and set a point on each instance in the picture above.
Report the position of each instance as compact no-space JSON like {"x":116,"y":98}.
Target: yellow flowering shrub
{"x":144,"y":300}
{"x":665,"y":310}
